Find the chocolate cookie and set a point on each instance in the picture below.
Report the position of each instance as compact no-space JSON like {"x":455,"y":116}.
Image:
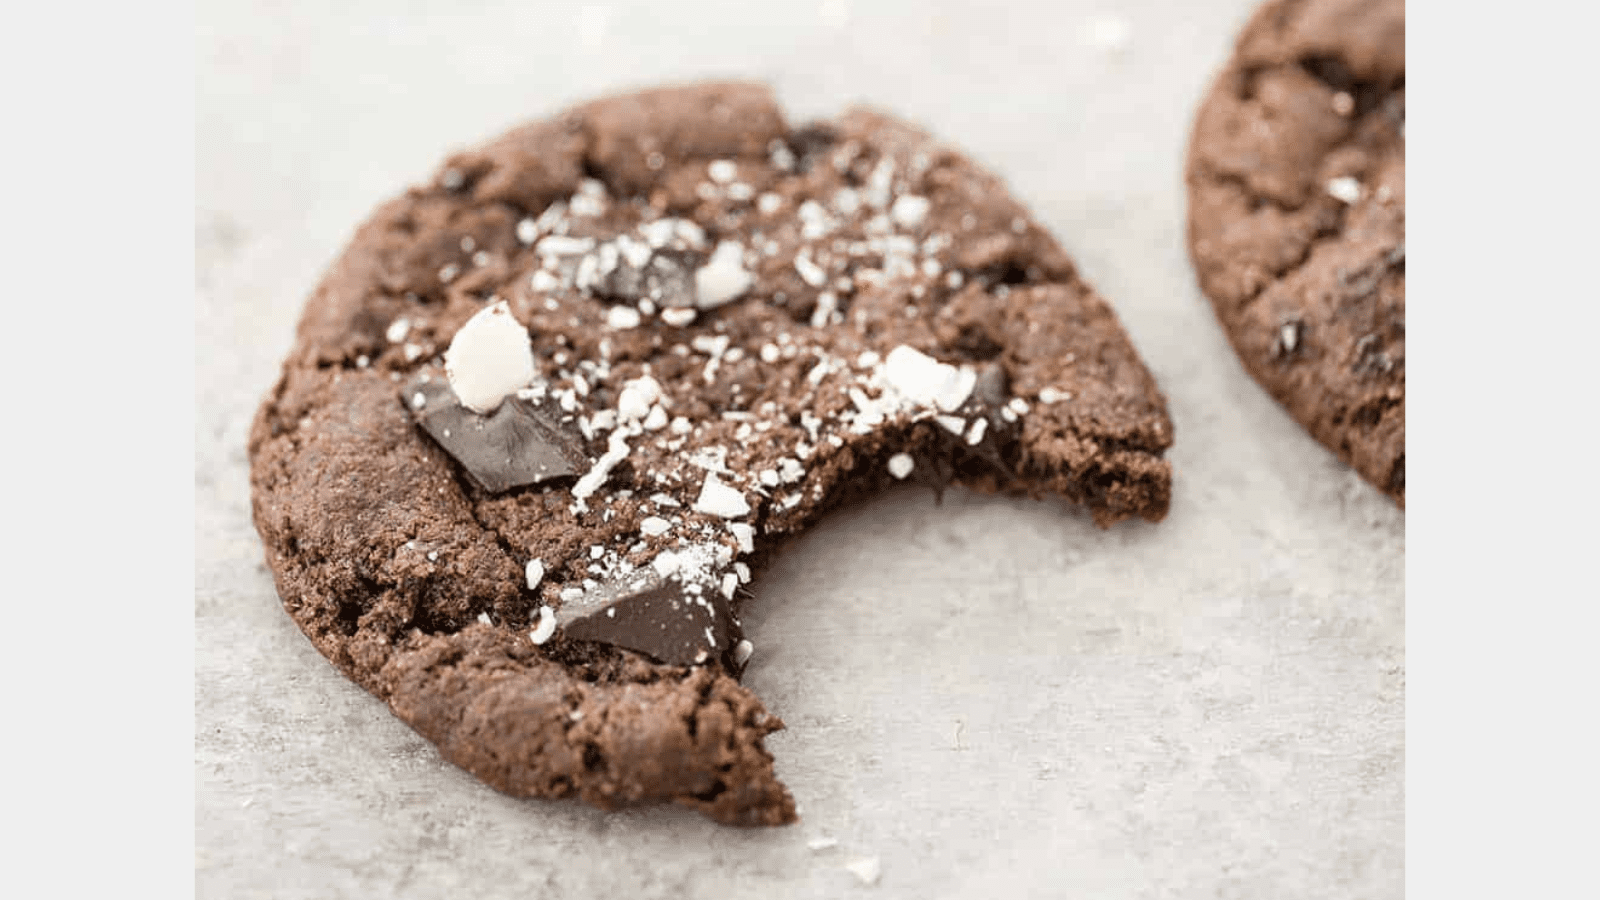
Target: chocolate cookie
{"x":1297,"y":214}
{"x":545,"y":416}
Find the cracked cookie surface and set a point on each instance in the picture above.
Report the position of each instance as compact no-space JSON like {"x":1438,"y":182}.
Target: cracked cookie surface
{"x":737,"y":325}
{"x":1296,"y":177}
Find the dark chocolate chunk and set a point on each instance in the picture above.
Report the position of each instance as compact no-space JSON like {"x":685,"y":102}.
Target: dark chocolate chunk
{"x":989,"y":393}
{"x":519,"y":443}
{"x":667,"y":278}
{"x":676,"y":621}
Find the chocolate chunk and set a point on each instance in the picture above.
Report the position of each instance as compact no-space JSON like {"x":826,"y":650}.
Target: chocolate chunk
{"x":676,"y":621}
{"x":666,"y":278}
{"x":520,"y":443}
{"x":989,"y":393}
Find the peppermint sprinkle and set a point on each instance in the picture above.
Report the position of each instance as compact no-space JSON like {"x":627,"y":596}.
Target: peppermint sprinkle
{"x":742,"y":652}
{"x":1050,"y":395}
{"x":398,"y":329}
{"x":722,"y":171}
{"x":535,"y":573}
{"x":654,"y":526}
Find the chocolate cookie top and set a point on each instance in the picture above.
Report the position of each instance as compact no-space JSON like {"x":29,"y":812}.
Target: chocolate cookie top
{"x":545,"y":415}
{"x":1296,"y":177}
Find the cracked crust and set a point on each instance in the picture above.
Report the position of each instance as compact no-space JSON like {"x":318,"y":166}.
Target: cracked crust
{"x":1309,"y":286}
{"x":387,"y":555}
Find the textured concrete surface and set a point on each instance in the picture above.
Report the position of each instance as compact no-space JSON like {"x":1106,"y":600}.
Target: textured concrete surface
{"x":984,"y":695}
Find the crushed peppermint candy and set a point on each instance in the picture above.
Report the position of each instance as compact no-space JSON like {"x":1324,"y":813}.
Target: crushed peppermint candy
{"x":616,"y":452}
{"x":489,"y":359}
{"x":678,"y":316}
{"x":723,"y":278}
{"x":718,"y":499}
{"x":742,"y":652}
{"x":534,"y":572}
{"x":654,"y":526}
{"x":623,"y":317}
{"x":1345,"y":189}
{"x":925,"y":381}
{"x":900,"y":465}
{"x":546,"y":627}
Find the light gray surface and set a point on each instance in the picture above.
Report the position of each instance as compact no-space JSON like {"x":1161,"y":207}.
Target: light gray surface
{"x":986,"y":694}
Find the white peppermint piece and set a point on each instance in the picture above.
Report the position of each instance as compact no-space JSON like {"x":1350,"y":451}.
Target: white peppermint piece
{"x":616,"y":452}
{"x":745,"y":535}
{"x":489,"y":358}
{"x":637,"y":397}
{"x":810,"y":272}
{"x":546,"y":627}
{"x":1345,"y":189}
{"x":790,"y":470}
{"x":657,"y":419}
{"x":909,"y":211}
{"x":398,"y":329}
{"x":623,"y":317}
{"x":742,"y":652}
{"x":535,"y":572}
{"x":730,"y":583}
{"x":925,"y":381}
{"x":678,"y":316}
{"x":722,"y":171}
{"x":723,"y":278}
{"x":975,"y":436}
{"x":718,"y":499}
{"x":654,"y":526}
{"x":901,"y":464}
{"x":1048,"y":395}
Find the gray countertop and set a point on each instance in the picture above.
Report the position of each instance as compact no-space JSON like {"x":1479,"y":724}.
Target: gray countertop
{"x":983,"y":695}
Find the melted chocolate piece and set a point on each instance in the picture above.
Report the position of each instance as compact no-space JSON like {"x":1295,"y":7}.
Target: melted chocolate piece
{"x":676,"y":622}
{"x":520,"y":443}
{"x":667,"y":278}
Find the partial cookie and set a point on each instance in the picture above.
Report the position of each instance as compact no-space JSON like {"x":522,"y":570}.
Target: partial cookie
{"x":546,"y":416}
{"x":1297,"y":213}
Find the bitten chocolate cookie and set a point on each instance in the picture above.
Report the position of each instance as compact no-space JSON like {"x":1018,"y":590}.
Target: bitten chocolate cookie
{"x":546,"y":415}
{"x":1297,"y":214}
